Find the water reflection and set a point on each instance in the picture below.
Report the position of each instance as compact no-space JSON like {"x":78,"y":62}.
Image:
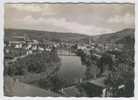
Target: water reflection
{"x":71,"y":68}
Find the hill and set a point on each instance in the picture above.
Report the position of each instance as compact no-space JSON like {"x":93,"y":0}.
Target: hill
{"x":125,"y":36}
{"x":40,"y":35}
{"x":117,"y":37}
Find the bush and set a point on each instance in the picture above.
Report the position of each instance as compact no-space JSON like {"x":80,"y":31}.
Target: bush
{"x":35,"y":63}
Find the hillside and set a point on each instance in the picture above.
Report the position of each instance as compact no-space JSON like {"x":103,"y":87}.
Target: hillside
{"x":124,"y":36}
{"x":40,"y":35}
{"x":114,"y":37}
{"x":20,"y":89}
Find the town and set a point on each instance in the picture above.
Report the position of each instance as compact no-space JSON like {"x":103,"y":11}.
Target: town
{"x":37,"y":62}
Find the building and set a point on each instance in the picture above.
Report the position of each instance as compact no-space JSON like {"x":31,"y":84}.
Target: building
{"x":17,"y":41}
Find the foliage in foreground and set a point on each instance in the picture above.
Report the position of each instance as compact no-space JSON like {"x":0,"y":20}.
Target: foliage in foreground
{"x":34,"y":63}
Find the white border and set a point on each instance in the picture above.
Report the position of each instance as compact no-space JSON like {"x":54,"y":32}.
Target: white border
{"x":96,"y":1}
{"x":55,"y":1}
{"x":1,"y":47}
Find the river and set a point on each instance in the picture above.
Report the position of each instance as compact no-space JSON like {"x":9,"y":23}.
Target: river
{"x":71,"y":68}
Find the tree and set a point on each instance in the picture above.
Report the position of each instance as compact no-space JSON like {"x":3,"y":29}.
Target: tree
{"x":106,"y":59}
{"x":35,"y":63}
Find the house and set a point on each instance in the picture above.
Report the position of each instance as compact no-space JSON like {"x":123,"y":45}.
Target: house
{"x":19,"y":45}
{"x":17,"y":41}
{"x":82,"y":47}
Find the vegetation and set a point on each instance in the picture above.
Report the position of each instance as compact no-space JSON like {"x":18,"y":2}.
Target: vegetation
{"x":14,"y":52}
{"x":114,"y":37}
{"x":35,"y":63}
{"x":43,"y":35}
{"x":122,"y":66}
{"x":123,"y":63}
{"x":53,"y":83}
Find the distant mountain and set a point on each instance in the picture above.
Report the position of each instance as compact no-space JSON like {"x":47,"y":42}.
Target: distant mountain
{"x":40,"y":35}
{"x":117,"y":37}
{"x":125,"y":36}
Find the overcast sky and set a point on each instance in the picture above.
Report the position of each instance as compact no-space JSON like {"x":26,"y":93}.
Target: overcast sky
{"x":90,"y":19}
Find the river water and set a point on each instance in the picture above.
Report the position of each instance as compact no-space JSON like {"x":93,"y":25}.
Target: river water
{"x":71,"y":68}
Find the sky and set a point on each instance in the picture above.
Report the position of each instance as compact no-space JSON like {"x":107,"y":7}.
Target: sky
{"x":89,"y":19}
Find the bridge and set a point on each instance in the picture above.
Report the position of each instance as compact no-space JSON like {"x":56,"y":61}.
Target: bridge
{"x":62,"y":52}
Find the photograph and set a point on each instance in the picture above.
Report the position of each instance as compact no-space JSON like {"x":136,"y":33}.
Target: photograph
{"x":69,"y":49}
